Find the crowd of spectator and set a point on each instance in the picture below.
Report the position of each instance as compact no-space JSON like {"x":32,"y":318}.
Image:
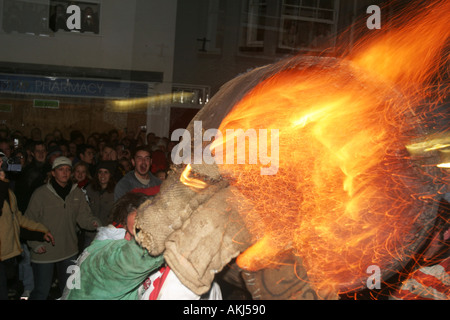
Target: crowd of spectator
{"x":21,"y":150}
{"x":100,"y":165}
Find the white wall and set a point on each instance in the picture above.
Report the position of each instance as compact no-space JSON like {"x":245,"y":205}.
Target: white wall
{"x":130,"y":31}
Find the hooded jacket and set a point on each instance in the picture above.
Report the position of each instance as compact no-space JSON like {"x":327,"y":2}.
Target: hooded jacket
{"x":61,"y":216}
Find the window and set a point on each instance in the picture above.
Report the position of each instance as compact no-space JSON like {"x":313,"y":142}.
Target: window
{"x":308,"y":24}
{"x":255,"y":13}
{"x":25,"y":17}
{"x":212,"y":40}
{"x":190,"y":94}
{"x":44,"y":18}
{"x":89,"y":16}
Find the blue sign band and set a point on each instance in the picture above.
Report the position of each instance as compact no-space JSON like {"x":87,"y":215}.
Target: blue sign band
{"x":71,"y":87}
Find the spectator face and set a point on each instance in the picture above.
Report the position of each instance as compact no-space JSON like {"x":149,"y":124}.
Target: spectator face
{"x":5,"y":147}
{"x":142,"y":163}
{"x":39,"y":153}
{"x":125,"y":154}
{"x":150,"y":138}
{"x":62,"y":175}
{"x":108,"y":154}
{"x":88,"y":156}
{"x":92,"y":141}
{"x":65,"y":150}
{"x":126,"y":165}
{"x":161,"y":175}
{"x":101,"y":145}
{"x":80,"y":173}
{"x":73,"y":148}
{"x":103,"y":177}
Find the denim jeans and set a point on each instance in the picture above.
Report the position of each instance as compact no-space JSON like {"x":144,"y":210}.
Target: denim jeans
{"x":43,"y":277}
{"x":25,"y":270}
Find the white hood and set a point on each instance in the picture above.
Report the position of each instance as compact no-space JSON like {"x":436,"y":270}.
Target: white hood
{"x":110,"y":233}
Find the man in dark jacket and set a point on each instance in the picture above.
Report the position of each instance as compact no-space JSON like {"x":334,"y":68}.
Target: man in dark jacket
{"x":33,"y":175}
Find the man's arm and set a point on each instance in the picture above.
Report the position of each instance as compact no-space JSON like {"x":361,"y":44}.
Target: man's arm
{"x":85,"y":218}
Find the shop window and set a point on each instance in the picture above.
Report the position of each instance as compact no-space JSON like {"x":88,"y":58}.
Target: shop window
{"x":308,"y":24}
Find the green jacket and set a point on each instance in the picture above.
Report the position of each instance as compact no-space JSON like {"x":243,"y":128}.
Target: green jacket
{"x":111,"y":270}
{"x":61,"y":217}
{"x":10,"y":222}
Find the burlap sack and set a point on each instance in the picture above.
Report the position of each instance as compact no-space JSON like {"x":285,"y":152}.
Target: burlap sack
{"x":157,"y":218}
{"x":209,"y":239}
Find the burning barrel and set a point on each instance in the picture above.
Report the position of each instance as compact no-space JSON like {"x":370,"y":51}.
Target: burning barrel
{"x":343,"y":195}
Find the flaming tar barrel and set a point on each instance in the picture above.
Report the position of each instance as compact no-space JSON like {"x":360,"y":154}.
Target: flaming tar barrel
{"x":345,"y":196}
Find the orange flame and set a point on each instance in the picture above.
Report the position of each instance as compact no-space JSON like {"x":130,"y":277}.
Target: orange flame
{"x":193,"y":183}
{"x":408,"y":55}
{"x":346,"y":195}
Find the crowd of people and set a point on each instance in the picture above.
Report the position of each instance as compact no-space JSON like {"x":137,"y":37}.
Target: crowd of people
{"x":61,"y":195}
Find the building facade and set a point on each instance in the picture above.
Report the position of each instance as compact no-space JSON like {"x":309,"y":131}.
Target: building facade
{"x":54,"y":77}
{"x":121,"y":65}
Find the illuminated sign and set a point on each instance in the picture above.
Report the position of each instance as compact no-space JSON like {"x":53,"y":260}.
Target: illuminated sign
{"x":51,"y":86}
{"x":48,"y":104}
